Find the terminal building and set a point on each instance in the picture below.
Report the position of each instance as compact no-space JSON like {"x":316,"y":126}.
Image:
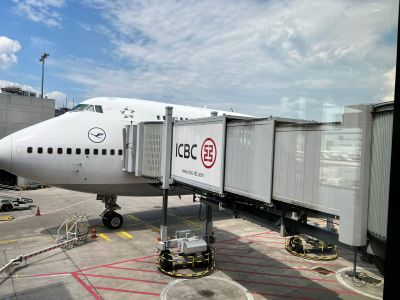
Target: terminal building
{"x":20,"y":109}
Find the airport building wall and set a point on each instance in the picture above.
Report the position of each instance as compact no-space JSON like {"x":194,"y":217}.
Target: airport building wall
{"x":18,"y":112}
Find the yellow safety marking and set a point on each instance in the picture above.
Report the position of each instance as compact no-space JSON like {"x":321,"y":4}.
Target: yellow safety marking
{"x":193,"y":223}
{"x":129,"y":236}
{"x":103,"y":236}
{"x":8,"y":241}
{"x":121,"y":235}
{"x":134,"y":224}
{"x":154,"y":229}
{"x":6,"y":218}
{"x":187,"y":221}
{"x":137,"y":220}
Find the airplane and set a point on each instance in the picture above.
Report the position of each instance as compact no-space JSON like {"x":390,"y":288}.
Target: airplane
{"x":82,"y":150}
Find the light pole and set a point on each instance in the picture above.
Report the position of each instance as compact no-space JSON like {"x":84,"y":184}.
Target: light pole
{"x":42,"y":59}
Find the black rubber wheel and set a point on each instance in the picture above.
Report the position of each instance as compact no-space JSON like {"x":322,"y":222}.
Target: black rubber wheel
{"x":114,"y":220}
{"x":165,"y":262}
{"x":105,"y":222}
{"x":6,"y":207}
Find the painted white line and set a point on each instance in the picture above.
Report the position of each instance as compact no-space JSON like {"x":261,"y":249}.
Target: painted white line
{"x":340,"y":279}
{"x":50,"y":212}
{"x":164,"y":292}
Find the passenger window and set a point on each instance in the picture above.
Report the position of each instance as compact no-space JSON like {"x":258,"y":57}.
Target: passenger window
{"x":95,"y":151}
{"x":119,"y":152}
{"x":59,"y":150}
{"x":29,"y":149}
{"x":163,"y":117}
{"x":40,"y":150}
{"x":50,"y":150}
{"x":78,"y":151}
{"x":69,"y":150}
{"x":99,"y":109}
{"x":181,"y":118}
{"x":87,"y":151}
{"x":112,"y":152}
{"x":104,"y":151}
{"x":158,"y":117}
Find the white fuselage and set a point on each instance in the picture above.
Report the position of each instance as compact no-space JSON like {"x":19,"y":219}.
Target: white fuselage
{"x":65,"y":152}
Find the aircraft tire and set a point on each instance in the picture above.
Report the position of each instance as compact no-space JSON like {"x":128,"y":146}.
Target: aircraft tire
{"x":114,"y":220}
{"x":106,"y":222}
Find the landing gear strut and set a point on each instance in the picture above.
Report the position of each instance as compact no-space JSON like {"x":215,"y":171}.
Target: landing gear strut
{"x":110,"y":218}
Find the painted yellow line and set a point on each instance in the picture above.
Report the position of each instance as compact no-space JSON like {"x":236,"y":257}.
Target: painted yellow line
{"x":103,"y":236}
{"x":187,"y":221}
{"x":129,"y":236}
{"x":8,"y":241}
{"x":16,"y":240}
{"x":134,"y":224}
{"x":154,"y":229}
{"x":193,"y":223}
{"x":121,"y":235}
{"x":135,"y":219}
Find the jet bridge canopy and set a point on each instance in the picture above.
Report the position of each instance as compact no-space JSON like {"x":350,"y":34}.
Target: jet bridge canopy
{"x":318,"y":166}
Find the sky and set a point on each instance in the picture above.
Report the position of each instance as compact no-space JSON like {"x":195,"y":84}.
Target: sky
{"x":300,"y":59}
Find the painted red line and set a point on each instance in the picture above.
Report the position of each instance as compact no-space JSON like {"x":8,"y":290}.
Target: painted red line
{"x":146,"y":262}
{"x":131,"y":260}
{"x":273,"y":267}
{"x":297,"y":287}
{"x":277,"y":237}
{"x":241,"y":237}
{"x":242,"y":244}
{"x":117,"y":262}
{"x":124,"y":278}
{"x":126,"y":291}
{"x":87,"y":287}
{"x":131,"y":269}
{"x":302,"y":261}
{"x":240,"y":248}
{"x":265,"y":242}
{"x":281,"y":296}
{"x":277,"y":275}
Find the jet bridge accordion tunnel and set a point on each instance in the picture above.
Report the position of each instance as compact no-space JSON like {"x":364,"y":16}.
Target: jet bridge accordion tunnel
{"x":339,"y":169}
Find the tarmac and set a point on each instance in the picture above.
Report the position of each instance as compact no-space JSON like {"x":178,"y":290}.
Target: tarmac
{"x":252,"y":262}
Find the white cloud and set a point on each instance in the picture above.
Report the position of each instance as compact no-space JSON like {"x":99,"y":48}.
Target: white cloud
{"x":40,"y":11}
{"x":6,"y":83}
{"x":60,"y":97}
{"x":8,"y":49}
{"x":390,"y":77}
{"x":235,"y":53}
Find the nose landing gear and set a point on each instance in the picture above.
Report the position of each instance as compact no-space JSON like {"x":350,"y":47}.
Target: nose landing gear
{"x":110,"y":218}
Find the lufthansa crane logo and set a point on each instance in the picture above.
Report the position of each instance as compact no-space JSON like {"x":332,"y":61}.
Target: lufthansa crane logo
{"x":96,"y":135}
{"x":208,"y":153}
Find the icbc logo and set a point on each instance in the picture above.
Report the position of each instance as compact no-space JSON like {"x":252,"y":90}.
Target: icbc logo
{"x":208,"y":153}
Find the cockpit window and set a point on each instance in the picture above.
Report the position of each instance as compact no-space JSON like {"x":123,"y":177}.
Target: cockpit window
{"x":80,"y":107}
{"x":87,"y":107}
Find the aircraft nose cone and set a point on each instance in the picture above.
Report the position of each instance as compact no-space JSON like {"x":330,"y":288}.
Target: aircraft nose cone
{"x":5,"y":153}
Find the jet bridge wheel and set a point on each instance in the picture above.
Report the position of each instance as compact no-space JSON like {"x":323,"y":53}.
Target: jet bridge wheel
{"x":112,"y":220}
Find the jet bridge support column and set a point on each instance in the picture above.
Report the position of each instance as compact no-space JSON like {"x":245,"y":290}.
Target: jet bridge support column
{"x":209,"y":225}
{"x":166,"y":152}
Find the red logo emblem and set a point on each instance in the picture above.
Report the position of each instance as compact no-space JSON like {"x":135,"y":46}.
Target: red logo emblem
{"x":208,"y":153}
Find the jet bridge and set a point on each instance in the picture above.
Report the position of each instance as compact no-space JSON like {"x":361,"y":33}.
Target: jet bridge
{"x":282,"y":165}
